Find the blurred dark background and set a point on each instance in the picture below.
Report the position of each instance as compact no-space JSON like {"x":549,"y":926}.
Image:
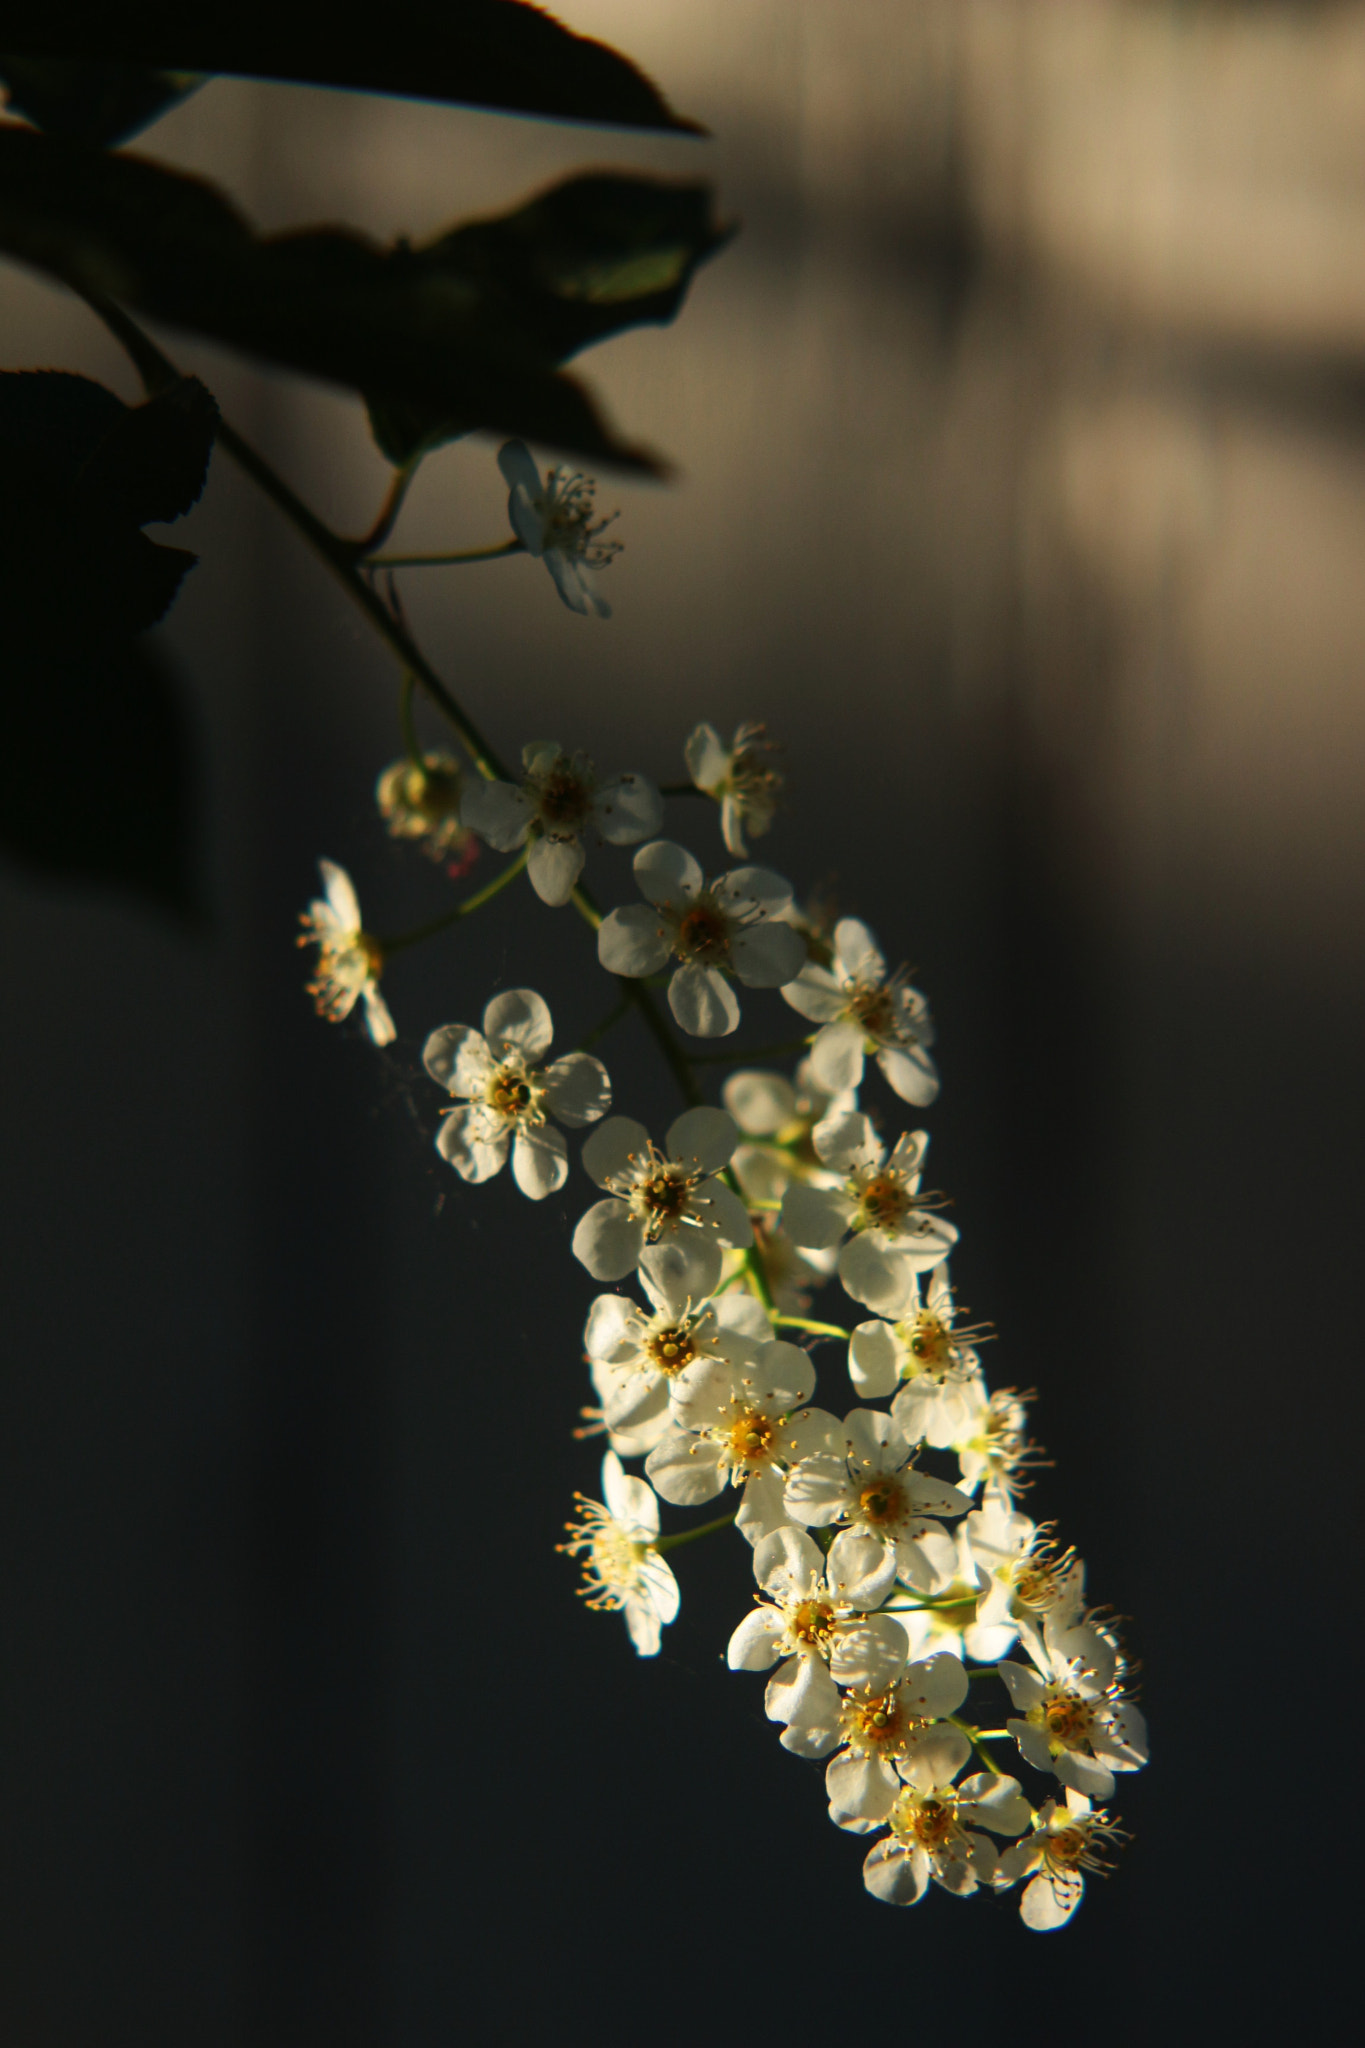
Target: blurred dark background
{"x":1022,"y":491}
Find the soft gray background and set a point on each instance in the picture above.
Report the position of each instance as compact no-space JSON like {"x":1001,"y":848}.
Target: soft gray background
{"x":1023,"y":492}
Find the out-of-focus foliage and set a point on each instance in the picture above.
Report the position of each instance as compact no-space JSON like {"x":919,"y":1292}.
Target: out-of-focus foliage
{"x":487,"y":53}
{"x":94,"y":762}
{"x":99,"y":103}
{"x":467,"y":332}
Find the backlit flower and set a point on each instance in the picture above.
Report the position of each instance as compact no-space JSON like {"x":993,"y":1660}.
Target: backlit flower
{"x":738,"y":777}
{"x":637,"y":1358}
{"x":559,"y":801}
{"x":669,"y":1196}
{"x":554,"y":520}
{"x":885,"y":1510}
{"x":935,"y":1833}
{"x":862,"y":1011}
{"x":884,"y":1230}
{"x":622,"y":1571}
{"x":893,"y":1733}
{"x":934,"y":1366}
{"x":350,"y":959}
{"x":1068,"y":1839}
{"x":423,"y":803}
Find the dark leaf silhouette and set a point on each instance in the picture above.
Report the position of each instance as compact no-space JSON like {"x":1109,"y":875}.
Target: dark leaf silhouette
{"x":94,"y":763}
{"x":95,"y":102}
{"x":487,"y":53}
{"x":468,"y":335}
{"x":590,"y":257}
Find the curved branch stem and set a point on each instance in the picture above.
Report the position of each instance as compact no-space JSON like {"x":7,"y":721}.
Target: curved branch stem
{"x":490,"y":554}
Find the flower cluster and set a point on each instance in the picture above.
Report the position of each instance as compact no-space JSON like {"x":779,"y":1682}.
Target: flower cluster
{"x":924,"y":1639}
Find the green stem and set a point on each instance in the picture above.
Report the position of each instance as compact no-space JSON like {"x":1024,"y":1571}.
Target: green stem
{"x":691,"y":1535}
{"x":978,"y":1737}
{"x":819,"y":1329}
{"x":464,"y":909}
{"x":735,"y":1055}
{"x":387,"y":519}
{"x":489,"y":554}
{"x":405,"y":719}
{"x":157,"y":370}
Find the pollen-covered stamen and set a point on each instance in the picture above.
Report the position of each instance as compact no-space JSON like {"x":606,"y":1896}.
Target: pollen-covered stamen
{"x":671,"y":1349}
{"x":567,"y":508}
{"x":875,"y":1723}
{"x":1066,"y":1718}
{"x":874,"y":1007}
{"x":611,"y":1558}
{"x":346,"y":960}
{"x":564,"y":796}
{"x":1001,"y":1442}
{"x":703,"y":933}
{"x":927,"y":1821}
{"x":1082,"y":1844}
{"x":514,"y":1096}
{"x":750,"y":1437}
{"x":812,"y":1622}
{"x":1039,"y":1579}
{"x":660,"y":1191}
{"x":884,"y":1201}
{"x":882,"y":1502}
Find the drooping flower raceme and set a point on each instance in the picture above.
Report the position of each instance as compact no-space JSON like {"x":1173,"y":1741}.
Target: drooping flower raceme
{"x":885,"y":1232}
{"x":622,"y":1570}
{"x":350,"y":960}
{"x":656,"y":1196}
{"x":861,"y":1011}
{"x":509,"y":1098}
{"x":738,"y":777}
{"x":553,"y":519}
{"x":719,"y":932}
{"x":555,"y":806}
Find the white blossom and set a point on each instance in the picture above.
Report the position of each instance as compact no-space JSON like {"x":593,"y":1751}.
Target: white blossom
{"x":559,"y":800}
{"x":423,"y":803}
{"x":637,"y":1358}
{"x":861,"y":1010}
{"x":554,"y":521}
{"x":885,"y":1508}
{"x":743,"y":1425}
{"x":1068,"y":1839}
{"x":935,"y":1833}
{"x":509,"y":1097}
{"x":934,"y":1366}
{"x":657,"y":1196}
{"x":1071,"y":1714}
{"x":1030,"y":1583}
{"x":884,"y":1233}
{"x":622,"y":1570}
{"x":718,"y":931}
{"x":738,"y":777}
{"x":821,"y":1636}
{"x":350,"y":960}
{"x":952,"y":1621}
{"x":777,"y":1118}
{"x":994,"y":1452}
{"x":894,"y":1733}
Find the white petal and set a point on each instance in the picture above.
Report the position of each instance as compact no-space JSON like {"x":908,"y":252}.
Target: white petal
{"x":861,"y":1566}
{"x":342,"y":900}
{"x":815,"y":994}
{"x":756,"y":888}
{"x":378,"y":1017}
{"x":633,"y":942}
{"x":577,"y":1089}
{"x":857,"y":953}
{"x":703,"y":1138}
{"x":663,"y":1275}
{"x":911,"y":1073}
{"x":457,"y":1056}
{"x":628,"y":809}
{"x":786,"y":1561}
{"x":873,"y":1275}
{"x":687,"y":1470}
{"x":870,"y":1653}
{"x":703,"y":1001}
{"x":753,"y":1646}
{"x":610,"y":1149}
{"x":874,"y":1360}
{"x":498,"y":811}
{"x":554,"y":867}
{"x":761,"y":1510}
{"x":574,"y":584}
{"x":728,"y":1217}
{"x":608,"y":1241}
{"x":667,"y":873}
{"x":1049,"y":1903}
{"x":474,"y":1159}
{"x":818,"y":1491}
{"x":518,"y":1020}
{"x":845,"y":1139}
{"x":702,"y":1260}
{"x":862,"y":1792}
{"x":894,"y":1875}
{"x":612,"y":1331}
{"x":761,"y":1104}
{"x":836,"y":1057}
{"x":768,"y":954}
{"x":934,"y":1756}
{"x":803,"y":1691}
{"x":518,"y":468}
{"x":815,"y":1217}
{"x":540,"y":1162}
{"x":707,"y":757}
{"x":936,"y":1686}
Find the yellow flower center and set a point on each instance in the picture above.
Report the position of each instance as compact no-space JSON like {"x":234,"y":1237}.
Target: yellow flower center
{"x":875,"y":1723}
{"x":882,"y":1501}
{"x":1067,"y":1719}
{"x":751,"y":1437}
{"x":703,"y":933}
{"x":812,"y":1622}
{"x":883,"y":1202}
{"x":670,"y":1350}
{"x":931,"y":1344}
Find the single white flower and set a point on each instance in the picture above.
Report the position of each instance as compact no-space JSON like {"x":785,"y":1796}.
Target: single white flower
{"x":885,"y":1508}
{"x":1071,"y":1714}
{"x":637,"y":1358}
{"x":554,"y":521}
{"x":560,"y":800}
{"x":894,"y":1733}
{"x":622,"y":1570}
{"x":862,"y":1011}
{"x":1030,"y":1583}
{"x":350,"y":959}
{"x":935,"y":1833}
{"x":510,"y":1098}
{"x":670,"y":1196}
{"x":742,"y":1425}
{"x":718,"y":931}
{"x":822,"y":1638}
{"x":738,"y":777}
{"x":777,"y":1118}
{"x":952,"y":1622}
{"x":935,"y":1366}
{"x":1068,"y":1839}
{"x":423,"y":803}
{"x":994,"y":1452}
{"x":884,"y":1232}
